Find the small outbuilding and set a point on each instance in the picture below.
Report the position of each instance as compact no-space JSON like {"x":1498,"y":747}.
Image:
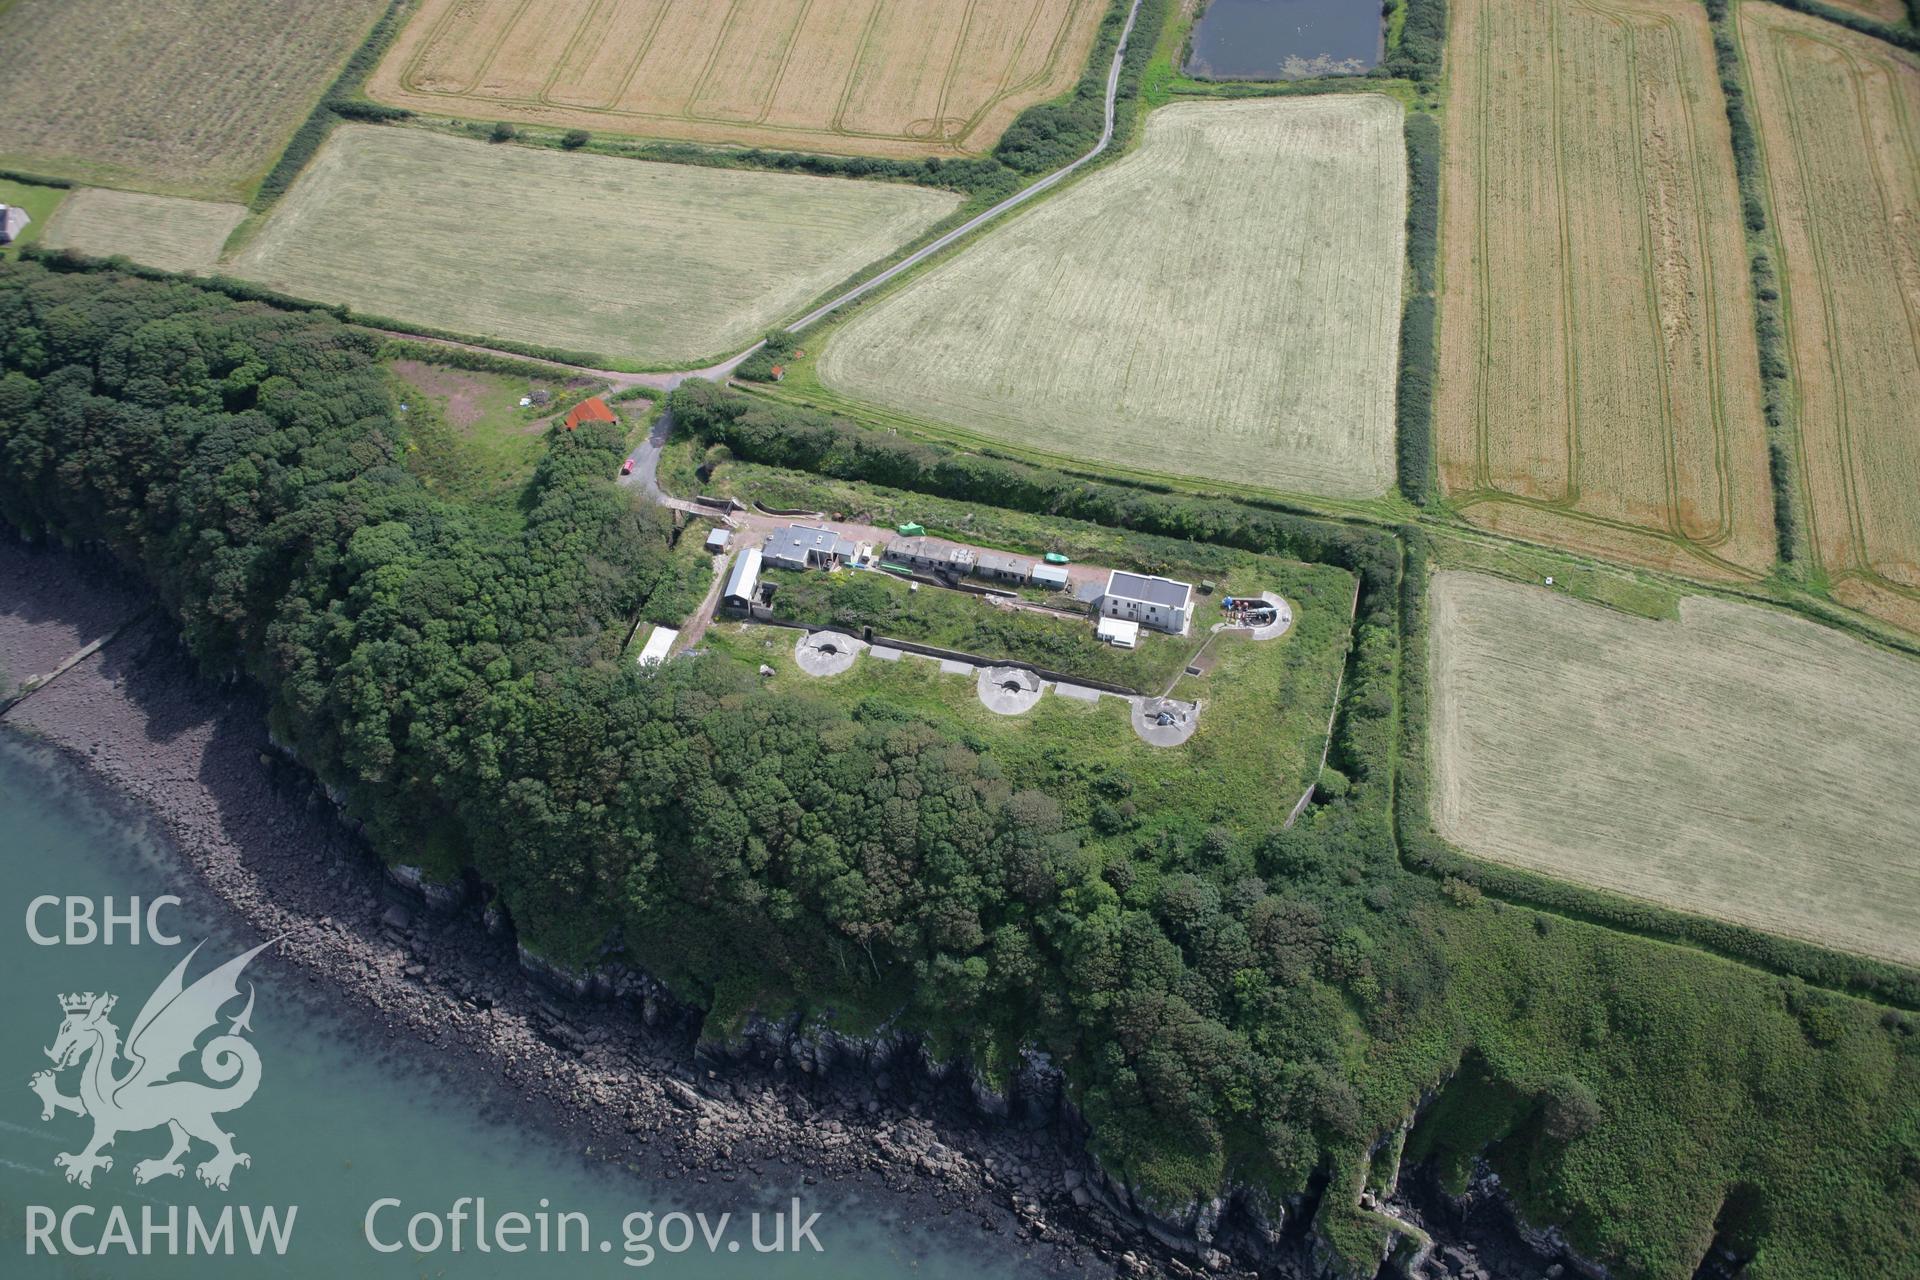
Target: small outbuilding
{"x":13,"y":220}
{"x":997,"y":566}
{"x":1118,"y":632}
{"x":658,"y":646}
{"x":592,"y":409}
{"x":936,"y":554}
{"x":743,"y":581}
{"x":717,"y":539}
{"x":1051,"y":576}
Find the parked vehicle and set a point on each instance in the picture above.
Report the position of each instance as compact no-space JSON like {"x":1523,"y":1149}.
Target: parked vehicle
{"x":626,"y":468}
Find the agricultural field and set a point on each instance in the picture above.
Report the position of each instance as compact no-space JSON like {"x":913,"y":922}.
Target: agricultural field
{"x":1223,"y":304}
{"x":654,"y":263}
{"x":1739,"y":762}
{"x":157,"y":231}
{"x":897,"y":78}
{"x":1839,"y":122}
{"x":181,"y":99}
{"x":1891,"y":12}
{"x":1599,"y":386}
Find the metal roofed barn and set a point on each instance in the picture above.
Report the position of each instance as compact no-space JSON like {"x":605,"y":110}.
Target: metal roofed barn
{"x":744,"y":579}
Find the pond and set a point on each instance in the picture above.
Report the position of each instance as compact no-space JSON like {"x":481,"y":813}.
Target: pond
{"x":1286,"y":39}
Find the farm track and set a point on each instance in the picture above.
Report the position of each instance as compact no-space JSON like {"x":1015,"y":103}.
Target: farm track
{"x":763,"y":96}
{"x":1838,"y":116}
{"x":1644,"y":442}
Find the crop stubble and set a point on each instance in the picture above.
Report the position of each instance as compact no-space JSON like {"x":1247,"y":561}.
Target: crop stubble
{"x":1222,"y":304}
{"x":1839,"y":117}
{"x":1741,"y":762}
{"x":654,"y":262}
{"x":183,"y":99}
{"x":1599,"y":384}
{"x":160,"y":231}
{"x":897,"y":78}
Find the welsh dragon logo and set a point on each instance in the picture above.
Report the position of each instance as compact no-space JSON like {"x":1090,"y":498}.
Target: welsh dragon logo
{"x":145,"y":1095}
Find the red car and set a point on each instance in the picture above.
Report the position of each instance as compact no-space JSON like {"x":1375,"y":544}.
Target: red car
{"x":626,"y":468}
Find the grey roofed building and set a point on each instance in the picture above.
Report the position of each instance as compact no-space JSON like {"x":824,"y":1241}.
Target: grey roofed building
{"x":1160,"y":603}
{"x":802,"y":546}
{"x":744,"y":578}
{"x":1049,"y":575}
{"x":13,"y":220}
{"x":717,"y":539}
{"x":1003,"y":568}
{"x":932,"y":553}
{"x":1139,"y":586}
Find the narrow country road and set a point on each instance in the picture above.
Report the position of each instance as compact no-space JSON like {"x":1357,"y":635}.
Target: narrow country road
{"x":1011,"y":203}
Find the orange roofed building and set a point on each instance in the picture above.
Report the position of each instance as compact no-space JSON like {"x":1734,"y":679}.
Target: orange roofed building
{"x":590,"y":410}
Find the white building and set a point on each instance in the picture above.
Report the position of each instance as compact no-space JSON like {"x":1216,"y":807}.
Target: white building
{"x":658,"y":646}
{"x":1158,"y":603}
{"x":1118,"y":633}
{"x":13,"y":220}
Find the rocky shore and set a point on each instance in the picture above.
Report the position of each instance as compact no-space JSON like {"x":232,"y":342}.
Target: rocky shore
{"x":611,"y":1061}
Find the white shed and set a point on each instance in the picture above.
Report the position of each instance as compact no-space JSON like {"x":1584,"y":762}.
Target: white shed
{"x":1118,"y":632}
{"x":658,"y":646}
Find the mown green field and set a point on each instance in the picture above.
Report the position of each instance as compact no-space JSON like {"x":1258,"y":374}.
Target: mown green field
{"x":1222,"y":304}
{"x":655,"y":263}
{"x":1739,"y":762}
{"x":155,"y":231}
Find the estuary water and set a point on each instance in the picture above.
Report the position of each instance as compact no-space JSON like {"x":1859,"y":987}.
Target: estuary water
{"x":338,"y":1122}
{"x":1286,"y":39}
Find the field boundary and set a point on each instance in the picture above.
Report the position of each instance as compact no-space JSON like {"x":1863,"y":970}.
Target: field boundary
{"x":1423,"y":849}
{"x":1666,"y":538}
{"x":1859,"y":564}
{"x":319,"y":123}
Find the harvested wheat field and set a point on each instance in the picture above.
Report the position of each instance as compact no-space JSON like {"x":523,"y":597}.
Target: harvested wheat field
{"x":655,"y":263}
{"x":184,"y":99}
{"x":1222,"y":304}
{"x":1740,"y":762}
{"x":899,"y":78}
{"x":157,"y":231}
{"x":1599,"y":384}
{"x":1839,"y":120}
